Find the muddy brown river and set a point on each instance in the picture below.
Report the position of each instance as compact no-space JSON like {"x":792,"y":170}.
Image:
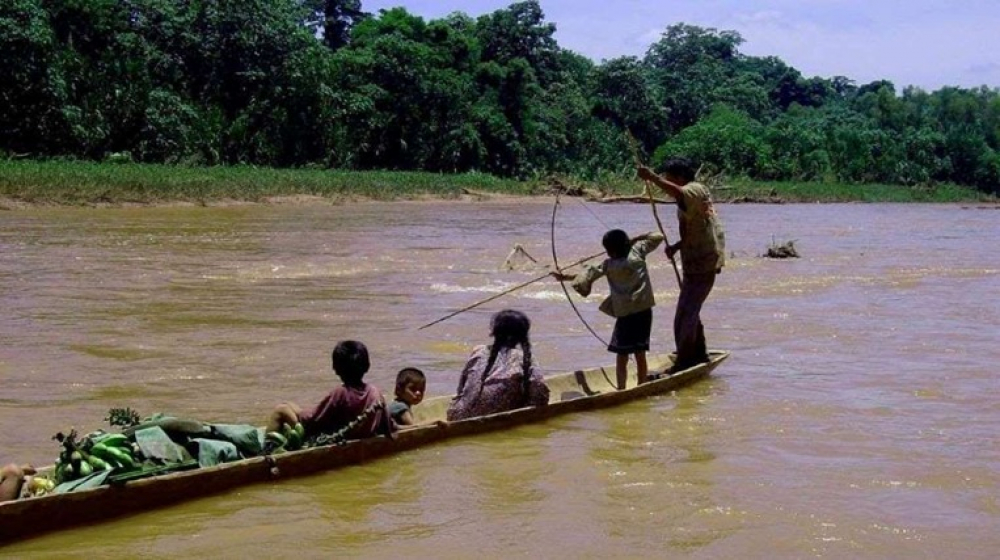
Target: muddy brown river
{"x":858,"y":416}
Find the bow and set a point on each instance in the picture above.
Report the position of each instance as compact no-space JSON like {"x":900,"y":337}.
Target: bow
{"x":555,"y":263}
{"x":652,"y":203}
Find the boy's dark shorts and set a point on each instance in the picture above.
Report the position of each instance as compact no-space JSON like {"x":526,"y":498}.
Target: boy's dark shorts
{"x":631,"y":333}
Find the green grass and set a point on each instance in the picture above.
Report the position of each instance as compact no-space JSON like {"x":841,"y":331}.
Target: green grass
{"x":85,"y":183}
{"x":76,"y":183}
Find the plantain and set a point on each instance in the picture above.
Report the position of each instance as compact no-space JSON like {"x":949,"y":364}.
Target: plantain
{"x":76,"y":461}
{"x":301,"y":430}
{"x":277,"y":439}
{"x":102,"y":451}
{"x":98,"y":464}
{"x":114,"y":440}
{"x":122,"y":457}
{"x":60,"y":474}
{"x":294,"y":441}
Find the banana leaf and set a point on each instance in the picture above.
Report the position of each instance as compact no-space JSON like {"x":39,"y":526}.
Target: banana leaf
{"x":248,"y":439}
{"x":84,"y":483}
{"x":155,"y":444}
{"x":212,"y":452}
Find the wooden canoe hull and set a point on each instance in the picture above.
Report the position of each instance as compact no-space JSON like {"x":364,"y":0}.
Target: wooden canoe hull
{"x":569,"y":392}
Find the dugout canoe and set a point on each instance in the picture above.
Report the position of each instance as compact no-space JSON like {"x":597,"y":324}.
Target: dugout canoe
{"x":576,"y":391}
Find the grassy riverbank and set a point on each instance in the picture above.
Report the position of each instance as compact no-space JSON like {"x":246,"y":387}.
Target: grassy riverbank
{"x":86,"y":183}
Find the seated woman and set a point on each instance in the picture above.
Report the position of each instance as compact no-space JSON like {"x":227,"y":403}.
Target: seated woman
{"x":501,"y":376}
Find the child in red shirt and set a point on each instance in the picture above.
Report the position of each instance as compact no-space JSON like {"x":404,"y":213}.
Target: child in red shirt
{"x":344,"y":403}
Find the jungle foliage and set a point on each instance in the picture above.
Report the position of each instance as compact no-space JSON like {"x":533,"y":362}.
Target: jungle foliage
{"x":321,"y":83}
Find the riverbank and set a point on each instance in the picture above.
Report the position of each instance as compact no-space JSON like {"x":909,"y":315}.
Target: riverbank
{"x":59,"y":183}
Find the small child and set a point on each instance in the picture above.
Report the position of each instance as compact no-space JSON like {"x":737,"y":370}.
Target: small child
{"x":344,"y":404}
{"x":630,"y":301}
{"x":410,"y":386}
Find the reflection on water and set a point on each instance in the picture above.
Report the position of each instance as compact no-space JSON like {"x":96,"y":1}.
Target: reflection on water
{"x":856,"y":417}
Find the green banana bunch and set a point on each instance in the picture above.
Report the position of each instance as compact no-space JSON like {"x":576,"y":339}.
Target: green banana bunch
{"x":97,"y":451}
{"x":115,"y":450}
{"x":275,"y":442}
{"x":113,"y":440}
{"x":76,"y":466}
{"x":290,"y":438}
{"x":295,"y":435}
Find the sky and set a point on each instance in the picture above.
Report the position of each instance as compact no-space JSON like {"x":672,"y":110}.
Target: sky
{"x":925,"y":43}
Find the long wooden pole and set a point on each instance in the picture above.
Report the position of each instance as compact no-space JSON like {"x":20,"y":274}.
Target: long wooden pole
{"x":509,"y":290}
{"x":652,"y":203}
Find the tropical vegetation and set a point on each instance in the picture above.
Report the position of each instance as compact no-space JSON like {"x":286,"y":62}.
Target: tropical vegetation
{"x":322,"y":84}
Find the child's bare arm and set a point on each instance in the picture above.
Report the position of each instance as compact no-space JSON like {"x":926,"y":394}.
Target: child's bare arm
{"x":406,"y":419}
{"x":648,"y":236}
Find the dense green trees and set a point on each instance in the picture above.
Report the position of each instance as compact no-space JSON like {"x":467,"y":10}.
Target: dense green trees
{"x":321,"y":82}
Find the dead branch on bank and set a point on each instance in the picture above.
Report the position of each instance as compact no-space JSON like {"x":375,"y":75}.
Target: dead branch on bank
{"x":483,"y":195}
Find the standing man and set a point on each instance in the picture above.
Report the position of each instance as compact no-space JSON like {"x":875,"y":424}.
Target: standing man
{"x":703,"y":254}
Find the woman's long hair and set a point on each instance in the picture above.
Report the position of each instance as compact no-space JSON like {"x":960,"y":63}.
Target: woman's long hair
{"x":509,"y":329}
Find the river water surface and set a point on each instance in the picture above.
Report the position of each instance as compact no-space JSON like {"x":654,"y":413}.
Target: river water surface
{"x":857,"y":417}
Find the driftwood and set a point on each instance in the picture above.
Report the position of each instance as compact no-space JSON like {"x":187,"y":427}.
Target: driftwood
{"x":556,"y":185}
{"x":482,"y":194}
{"x":771,"y":198}
{"x":516,"y":253}
{"x":747,"y":199}
{"x":714,"y":182}
{"x":634,"y":198}
{"x":782,"y":251}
